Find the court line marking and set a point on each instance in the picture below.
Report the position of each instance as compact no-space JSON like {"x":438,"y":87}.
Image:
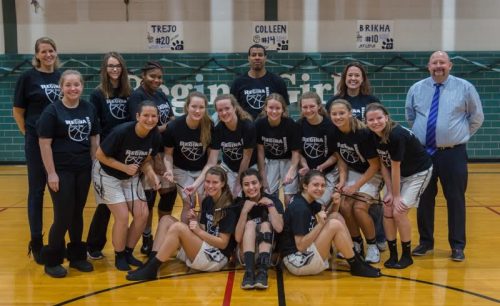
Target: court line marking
{"x":493,"y":210}
{"x":280,"y":285}
{"x":229,"y":289}
{"x":479,"y":295}
{"x":464,"y":291}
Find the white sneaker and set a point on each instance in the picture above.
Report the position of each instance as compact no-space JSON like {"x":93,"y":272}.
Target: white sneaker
{"x":359,"y":248}
{"x":372,"y":254}
{"x":382,"y":246}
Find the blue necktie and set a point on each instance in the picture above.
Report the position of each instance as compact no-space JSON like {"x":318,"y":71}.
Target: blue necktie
{"x":430,"y":139}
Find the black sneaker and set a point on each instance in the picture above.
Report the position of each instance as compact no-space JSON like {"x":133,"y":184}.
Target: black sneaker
{"x":359,"y":268}
{"x":56,"y":271}
{"x":421,"y":250}
{"x":95,"y":255}
{"x":261,"y":279}
{"x":248,"y":281}
{"x":34,"y":248}
{"x":147,"y":244}
{"x":457,"y":255}
{"x":81,"y":265}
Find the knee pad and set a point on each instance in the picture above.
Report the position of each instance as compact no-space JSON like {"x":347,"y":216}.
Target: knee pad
{"x":264,"y":237}
{"x":150,"y":198}
{"x":167,"y":201}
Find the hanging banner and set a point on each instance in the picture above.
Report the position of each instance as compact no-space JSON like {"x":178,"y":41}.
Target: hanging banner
{"x":375,"y":34}
{"x":273,"y":35}
{"x":165,"y":35}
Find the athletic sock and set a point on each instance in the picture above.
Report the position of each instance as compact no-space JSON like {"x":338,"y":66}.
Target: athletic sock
{"x":393,"y":254}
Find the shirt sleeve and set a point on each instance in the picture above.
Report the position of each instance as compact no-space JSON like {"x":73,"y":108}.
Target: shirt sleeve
{"x":19,"y":98}
{"x":475,"y":114}
{"x":409,"y":107}
{"x":47,"y":124}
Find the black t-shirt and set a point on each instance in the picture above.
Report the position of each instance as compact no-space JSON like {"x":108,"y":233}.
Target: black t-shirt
{"x":70,"y":130}
{"x":111,"y":111}
{"x":188,"y":150}
{"x":403,"y":147}
{"x":226,"y":225}
{"x":278,"y":141}
{"x":358,"y":104}
{"x":356,"y":148}
{"x":251,"y":93}
{"x":34,"y":91}
{"x":125,"y":146}
{"x":317,"y":142}
{"x":232,"y":143}
{"x":159,"y":97}
{"x":299,"y":221}
{"x":260,"y":213}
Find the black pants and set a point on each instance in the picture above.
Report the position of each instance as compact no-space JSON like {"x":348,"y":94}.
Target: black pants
{"x":450,"y":166}
{"x":68,"y":204}
{"x":96,"y":238}
{"x":37,"y":179}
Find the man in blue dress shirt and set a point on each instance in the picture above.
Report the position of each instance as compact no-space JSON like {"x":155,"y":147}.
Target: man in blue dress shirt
{"x":458,"y":114}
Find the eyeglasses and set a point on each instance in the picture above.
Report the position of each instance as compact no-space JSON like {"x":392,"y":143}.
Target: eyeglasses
{"x":111,"y":66}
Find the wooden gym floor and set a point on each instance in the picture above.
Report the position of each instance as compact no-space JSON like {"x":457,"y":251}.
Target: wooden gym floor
{"x":432,"y":280}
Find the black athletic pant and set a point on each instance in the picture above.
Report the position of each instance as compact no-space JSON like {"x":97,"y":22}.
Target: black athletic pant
{"x":96,"y":238}
{"x":37,"y":179}
{"x":68,"y":205}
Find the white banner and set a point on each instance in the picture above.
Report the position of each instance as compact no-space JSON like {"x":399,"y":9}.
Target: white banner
{"x":165,"y":36}
{"x":375,"y":34}
{"x":273,"y":35}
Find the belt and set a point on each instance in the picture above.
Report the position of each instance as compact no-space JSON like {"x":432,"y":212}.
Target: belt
{"x":450,"y":147}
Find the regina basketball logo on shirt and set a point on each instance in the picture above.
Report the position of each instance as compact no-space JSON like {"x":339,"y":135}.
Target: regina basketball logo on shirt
{"x":164,"y":110}
{"x":348,"y":153}
{"x":136,"y":156}
{"x":315,"y":147}
{"x":117,"y":108}
{"x":385,"y":156}
{"x":191,"y":150}
{"x":233,"y":150}
{"x":256,"y":97}
{"x":52,"y":92}
{"x":275,"y":146}
{"x":79,"y":129}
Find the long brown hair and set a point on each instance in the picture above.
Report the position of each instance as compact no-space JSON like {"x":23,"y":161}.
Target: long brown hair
{"x":317,"y":99}
{"x":365,"y":87}
{"x":354,"y":123}
{"x":205,"y":122}
{"x":105,"y":86}
{"x":280,"y":99}
{"x":250,"y":172}
{"x":44,"y":40}
{"x":390,"y":124}
{"x":240,"y":112}
{"x":226,"y":197}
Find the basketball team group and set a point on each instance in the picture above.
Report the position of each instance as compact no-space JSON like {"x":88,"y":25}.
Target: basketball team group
{"x":257,"y":187}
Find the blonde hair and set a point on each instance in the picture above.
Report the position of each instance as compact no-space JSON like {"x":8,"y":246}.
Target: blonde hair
{"x":44,"y":40}
{"x":280,"y":99}
{"x":390,"y":124}
{"x":354,"y":123}
{"x":205,"y":123}
{"x":315,"y":96}
{"x":240,"y":112}
{"x":70,"y":72}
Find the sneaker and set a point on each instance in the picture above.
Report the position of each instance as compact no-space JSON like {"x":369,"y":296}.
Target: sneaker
{"x":364,"y":270}
{"x":382,"y":246}
{"x":261,"y":279}
{"x":81,"y":265}
{"x":372,"y":254}
{"x":248,"y":281}
{"x":457,"y":255}
{"x":95,"y":255}
{"x":34,"y":248}
{"x":421,"y":250}
{"x":56,"y":271}
{"x":147,"y":244}
{"x":359,"y":248}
